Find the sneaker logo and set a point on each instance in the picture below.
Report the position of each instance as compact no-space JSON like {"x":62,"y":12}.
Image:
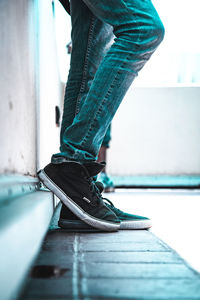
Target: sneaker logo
{"x":86,"y":199}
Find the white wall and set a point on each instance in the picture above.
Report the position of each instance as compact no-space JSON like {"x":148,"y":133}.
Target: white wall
{"x":30,"y":86}
{"x":50,"y":87}
{"x":17,"y":88}
{"x":157,"y":131}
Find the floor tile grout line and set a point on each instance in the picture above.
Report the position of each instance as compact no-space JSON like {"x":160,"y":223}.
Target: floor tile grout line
{"x":192,"y":279}
{"x":123,"y":251}
{"x":75,"y":277}
{"x":134,"y":263}
{"x":84,"y":286}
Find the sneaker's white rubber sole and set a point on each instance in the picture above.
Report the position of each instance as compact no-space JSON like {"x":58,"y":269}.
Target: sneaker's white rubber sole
{"x":124,"y":225}
{"x":76,"y":209}
{"x":134,"y":225}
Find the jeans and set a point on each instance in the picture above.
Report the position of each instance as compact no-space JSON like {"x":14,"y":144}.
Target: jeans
{"x":107,"y":138}
{"x":102,"y":68}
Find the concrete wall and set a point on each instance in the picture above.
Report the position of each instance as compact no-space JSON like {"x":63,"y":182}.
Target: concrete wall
{"x":156,"y":131}
{"x":30,"y":86}
{"x":17,"y":87}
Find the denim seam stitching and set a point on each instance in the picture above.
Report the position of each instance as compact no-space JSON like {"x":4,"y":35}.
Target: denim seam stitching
{"x":111,"y":87}
{"x":83,"y":81}
{"x":102,"y":102}
{"x":108,"y":92}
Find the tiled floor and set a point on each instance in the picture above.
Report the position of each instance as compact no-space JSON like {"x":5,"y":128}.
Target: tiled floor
{"x":123,"y":265}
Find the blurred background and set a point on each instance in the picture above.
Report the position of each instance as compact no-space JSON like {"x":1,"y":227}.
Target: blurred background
{"x":155,"y":148}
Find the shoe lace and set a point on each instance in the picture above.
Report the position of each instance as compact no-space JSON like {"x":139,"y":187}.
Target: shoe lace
{"x":95,"y":191}
{"x":105,"y":200}
{"x":109,"y":203}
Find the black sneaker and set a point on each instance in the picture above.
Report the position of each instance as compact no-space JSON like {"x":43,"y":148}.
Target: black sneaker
{"x":69,"y":221}
{"x":72,"y":182}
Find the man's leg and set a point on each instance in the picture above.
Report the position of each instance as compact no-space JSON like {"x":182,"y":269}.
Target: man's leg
{"x":71,"y":181}
{"x":91,"y":39}
{"x":105,"y":145}
{"x":102,"y":156}
{"x":138,"y":32}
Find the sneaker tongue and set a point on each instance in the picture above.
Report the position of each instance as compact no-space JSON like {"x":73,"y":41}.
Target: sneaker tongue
{"x":94,"y":168}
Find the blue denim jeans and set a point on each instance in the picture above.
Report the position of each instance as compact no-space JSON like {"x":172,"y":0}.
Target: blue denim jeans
{"x":107,"y":138}
{"x":102,"y":68}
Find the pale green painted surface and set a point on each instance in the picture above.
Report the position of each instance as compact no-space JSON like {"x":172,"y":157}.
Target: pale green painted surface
{"x":23,"y":224}
{"x":157,"y":181}
{"x":14,"y":185}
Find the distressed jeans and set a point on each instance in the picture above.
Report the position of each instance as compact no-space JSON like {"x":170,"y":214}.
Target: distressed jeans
{"x":107,"y":138}
{"x":102,"y":68}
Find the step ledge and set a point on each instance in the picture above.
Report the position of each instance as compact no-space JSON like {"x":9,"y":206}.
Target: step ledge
{"x":24,"y":222}
{"x":14,"y":185}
